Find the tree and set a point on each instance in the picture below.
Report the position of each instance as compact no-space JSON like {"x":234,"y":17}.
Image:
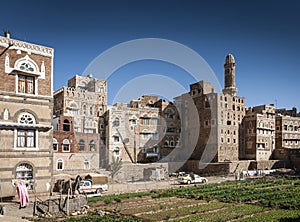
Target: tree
{"x":115,"y":166}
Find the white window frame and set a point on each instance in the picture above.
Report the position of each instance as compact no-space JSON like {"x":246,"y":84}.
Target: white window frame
{"x":65,"y":142}
{"x":62,"y":164}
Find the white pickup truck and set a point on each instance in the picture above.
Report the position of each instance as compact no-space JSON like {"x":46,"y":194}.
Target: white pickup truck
{"x":87,"y":186}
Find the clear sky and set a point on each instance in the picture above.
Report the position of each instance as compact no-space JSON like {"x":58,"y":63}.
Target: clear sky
{"x":264,"y":37}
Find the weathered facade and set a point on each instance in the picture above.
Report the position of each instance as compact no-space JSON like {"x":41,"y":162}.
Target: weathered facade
{"x":131,"y":130}
{"x":287,"y":138}
{"x":26,"y":78}
{"x":79,"y":133}
{"x":169,"y":127}
{"x":219,"y":119}
{"x":259,"y":125}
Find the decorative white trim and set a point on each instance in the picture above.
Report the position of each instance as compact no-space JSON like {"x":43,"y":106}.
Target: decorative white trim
{"x":25,"y":59}
{"x":5,"y":114}
{"x":27,"y":47}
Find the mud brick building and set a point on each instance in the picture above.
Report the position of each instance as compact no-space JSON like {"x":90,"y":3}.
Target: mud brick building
{"x":131,"y":131}
{"x":218,"y":126}
{"x":287,"y":140}
{"x":259,"y":131}
{"x":26,"y":78}
{"x":79,"y":134}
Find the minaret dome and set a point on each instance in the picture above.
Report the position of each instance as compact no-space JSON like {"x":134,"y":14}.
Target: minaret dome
{"x":229,"y":59}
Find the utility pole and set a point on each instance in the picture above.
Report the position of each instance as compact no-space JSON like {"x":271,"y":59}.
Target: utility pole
{"x":127,"y":151}
{"x":134,"y":145}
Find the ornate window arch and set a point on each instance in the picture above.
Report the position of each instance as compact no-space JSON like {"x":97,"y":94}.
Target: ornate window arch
{"x":26,"y":138}
{"x":26,"y":64}
{"x":26,"y":118}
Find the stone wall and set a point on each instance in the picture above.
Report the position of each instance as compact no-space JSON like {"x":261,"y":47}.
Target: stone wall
{"x":141,"y":172}
{"x":53,"y":206}
{"x":232,"y":167}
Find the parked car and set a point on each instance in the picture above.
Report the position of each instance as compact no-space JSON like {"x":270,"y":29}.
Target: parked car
{"x":189,"y":178}
{"x":94,"y":183}
{"x":87,"y":186}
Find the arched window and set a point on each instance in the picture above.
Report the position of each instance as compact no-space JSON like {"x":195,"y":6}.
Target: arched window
{"x":55,"y":145}
{"x":26,"y":118}
{"x":26,"y":83}
{"x":66,"y":145}
{"x":101,"y":89}
{"x":81,"y":145}
{"x":155,"y":148}
{"x":66,"y":125}
{"x":177,"y":142}
{"x":117,"y":152}
{"x":172,"y":142}
{"x":26,"y":66}
{"x":24,"y":171}
{"x":116,"y":122}
{"x":166,"y":142}
{"x":86,"y":165}
{"x":59,"y":164}
{"x":169,"y":113}
{"x":92,"y":145}
{"x":26,"y":137}
{"x":84,"y":109}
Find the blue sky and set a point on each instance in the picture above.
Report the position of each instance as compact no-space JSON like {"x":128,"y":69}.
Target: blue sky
{"x":264,"y":37}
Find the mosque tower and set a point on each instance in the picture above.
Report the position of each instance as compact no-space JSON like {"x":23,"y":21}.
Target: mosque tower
{"x":229,"y":68}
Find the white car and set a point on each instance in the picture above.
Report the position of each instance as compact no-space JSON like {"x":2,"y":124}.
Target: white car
{"x":187,"y":179}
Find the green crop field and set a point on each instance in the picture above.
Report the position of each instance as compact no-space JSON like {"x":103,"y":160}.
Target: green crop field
{"x":266,"y":199}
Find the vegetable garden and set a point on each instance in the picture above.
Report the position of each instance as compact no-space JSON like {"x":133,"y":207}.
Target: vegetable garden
{"x":265,"y":199}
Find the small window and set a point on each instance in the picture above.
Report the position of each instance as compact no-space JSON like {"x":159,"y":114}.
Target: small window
{"x":116,"y":122}
{"x":206,"y":122}
{"x":92,"y":145}
{"x":154,"y":122}
{"x":66,"y":146}
{"x":66,"y":125}
{"x":60,"y":164}
{"x":117,"y":151}
{"x":101,"y":89}
{"x":116,"y":139}
{"x":81,"y":145}
{"x":55,"y":145}
{"x":133,"y":122}
{"x":145,"y":121}
{"x":86,"y":165}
